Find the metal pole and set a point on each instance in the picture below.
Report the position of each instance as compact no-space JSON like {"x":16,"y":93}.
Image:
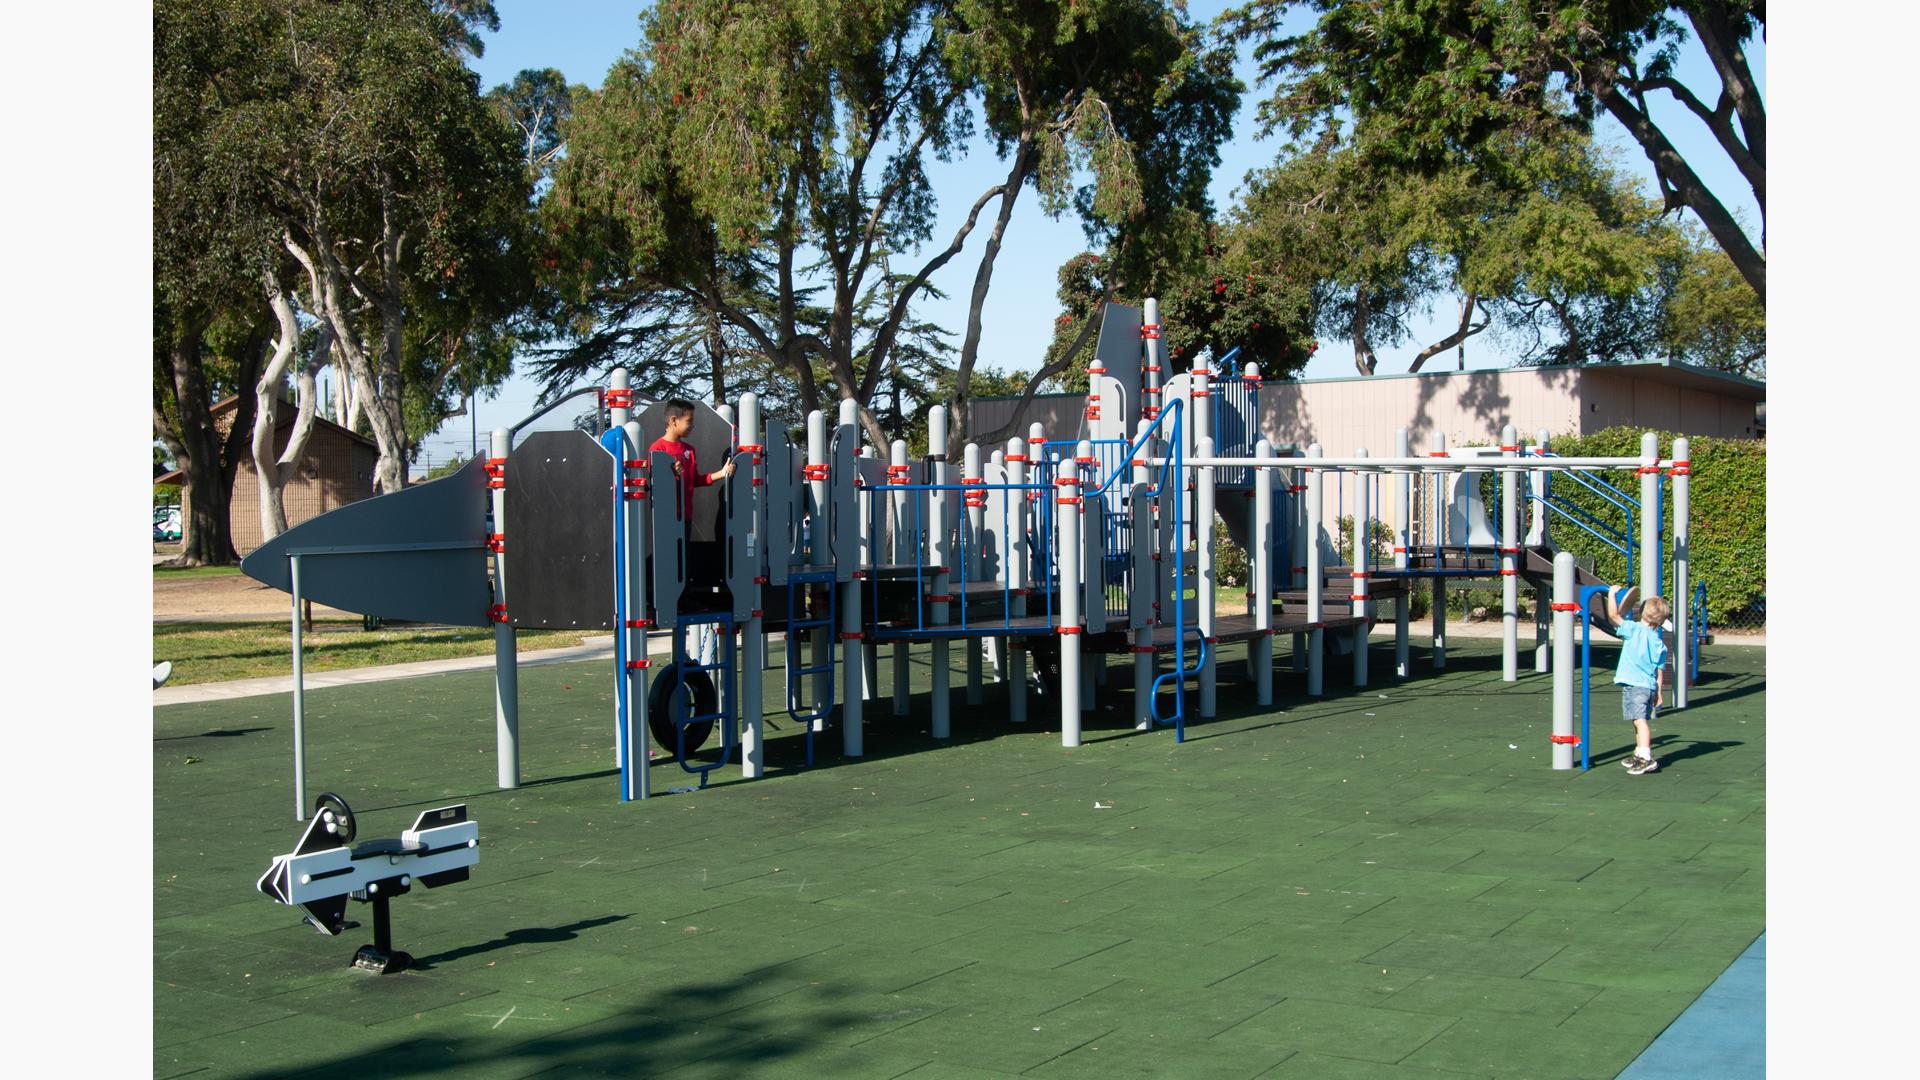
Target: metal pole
{"x":1203,"y":581}
{"x":976,"y":510}
{"x":1542,"y":611}
{"x":1563,"y":663}
{"x":1016,"y":560}
{"x":753,"y":636}
{"x":1316,"y":580}
{"x":1150,"y":331}
{"x":618,"y":397}
{"x":1297,"y":565}
{"x":1683,"y":613}
{"x":1509,"y":560}
{"x":1067,"y":573}
{"x":506,"y":658}
{"x":1357,"y":600}
{"x":819,"y":542}
{"x":942,"y":556}
{"x":639,"y":536}
{"x":299,"y":702}
{"x":1402,"y":542}
{"x":1263,"y":553}
{"x":905,"y":552}
{"x":1439,"y":525}
{"x":1649,"y":515}
{"x":996,"y":647}
{"x":852,"y":650}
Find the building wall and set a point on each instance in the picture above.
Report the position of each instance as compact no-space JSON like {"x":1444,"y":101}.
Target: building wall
{"x":336,"y":470}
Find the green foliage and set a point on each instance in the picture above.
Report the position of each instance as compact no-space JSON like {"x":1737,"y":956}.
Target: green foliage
{"x":1729,"y":515}
{"x":1230,"y":563}
{"x":1380,"y":550}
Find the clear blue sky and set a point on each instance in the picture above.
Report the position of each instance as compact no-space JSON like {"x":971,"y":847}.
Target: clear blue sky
{"x":583,"y":38}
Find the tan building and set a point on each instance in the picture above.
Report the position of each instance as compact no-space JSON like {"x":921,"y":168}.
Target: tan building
{"x":1469,"y":407}
{"x":337,"y":469}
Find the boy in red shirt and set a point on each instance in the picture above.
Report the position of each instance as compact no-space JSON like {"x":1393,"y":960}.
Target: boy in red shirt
{"x":679,"y":426}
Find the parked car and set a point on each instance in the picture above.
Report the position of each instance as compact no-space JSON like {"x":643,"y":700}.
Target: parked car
{"x":166,"y":524}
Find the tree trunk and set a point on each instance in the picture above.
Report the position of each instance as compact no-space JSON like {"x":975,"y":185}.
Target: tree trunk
{"x":982,"y":280}
{"x":1465,"y":330}
{"x":1363,"y":357}
{"x":1016,"y":422}
{"x":274,"y":472}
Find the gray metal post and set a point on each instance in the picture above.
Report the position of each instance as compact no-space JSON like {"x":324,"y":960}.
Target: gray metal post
{"x":639,"y":537}
{"x":619,"y":411}
{"x":996,"y":647}
{"x":1150,"y":330}
{"x":1649,"y":518}
{"x":1683,"y":613}
{"x":975,"y":506}
{"x":1140,"y":601}
{"x":1262,"y":602}
{"x":299,"y":701}
{"x":1092,"y":602}
{"x":1357,"y":600}
{"x":819,"y":539}
{"x":939,"y":551}
{"x":1439,"y":525}
{"x":1542,"y":604}
{"x":1297,"y":565}
{"x":1203,"y":582}
{"x":1402,"y":545}
{"x":1016,"y":563}
{"x":1509,"y":558}
{"x":753,"y":637}
{"x":506,"y":657}
{"x":905,"y":552}
{"x":1564,"y":602}
{"x":1316,"y":579}
{"x":852,"y":658}
{"x":1067,"y":573}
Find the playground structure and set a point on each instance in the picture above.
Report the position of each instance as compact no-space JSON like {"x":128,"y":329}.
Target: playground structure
{"x":1049,"y":554}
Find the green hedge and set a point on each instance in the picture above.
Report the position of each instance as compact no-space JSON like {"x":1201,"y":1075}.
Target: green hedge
{"x":1729,"y":512}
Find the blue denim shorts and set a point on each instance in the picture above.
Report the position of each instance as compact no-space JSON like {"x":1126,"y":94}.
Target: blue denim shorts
{"x":1636,"y":703}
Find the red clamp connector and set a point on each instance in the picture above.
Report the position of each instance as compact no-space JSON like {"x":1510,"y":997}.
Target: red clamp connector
{"x":496,"y":472}
{"x":498,"y":613}
{"x":496,"y":542}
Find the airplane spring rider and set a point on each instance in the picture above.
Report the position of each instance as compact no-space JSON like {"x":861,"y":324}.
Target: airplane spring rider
{"x":326,"y":869}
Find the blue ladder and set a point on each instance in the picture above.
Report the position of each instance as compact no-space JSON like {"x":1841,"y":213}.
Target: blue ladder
{"x":801,"y":603}
{"x":686,"y":714}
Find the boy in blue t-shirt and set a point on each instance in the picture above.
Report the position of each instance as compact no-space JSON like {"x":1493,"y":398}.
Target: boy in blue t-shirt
{"x":1641,"y":674}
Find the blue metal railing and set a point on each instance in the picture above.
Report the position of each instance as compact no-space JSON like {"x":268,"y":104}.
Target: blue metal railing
{"x":686,"y":700}
{"x":964,"y":621}
{"x":799,"y":626}
{"x":1622,"y":540}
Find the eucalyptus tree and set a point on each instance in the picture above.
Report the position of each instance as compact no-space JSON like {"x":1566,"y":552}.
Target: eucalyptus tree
{"x":748,"y":153}
{"x":1441,"y":80}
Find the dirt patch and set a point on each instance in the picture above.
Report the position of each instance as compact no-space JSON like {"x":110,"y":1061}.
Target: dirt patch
{"x":231,"y":597}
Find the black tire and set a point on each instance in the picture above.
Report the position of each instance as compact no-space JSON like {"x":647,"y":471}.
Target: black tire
{"x":665,"y":699}
{"x":1045,"y":657}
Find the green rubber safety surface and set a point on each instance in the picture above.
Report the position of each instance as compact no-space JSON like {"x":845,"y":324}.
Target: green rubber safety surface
{"x":1387,"y":881}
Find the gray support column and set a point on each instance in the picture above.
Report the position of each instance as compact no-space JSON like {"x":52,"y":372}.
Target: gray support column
{"x":1140,"y":601}
{"x":996,"y":647}
{"x":1564,"y":601}
{"x":819,"y":540}
{"x":639,"y":537}
{"x":1297,"y":569}
{"x":1316,"y":579}
{"x":299,"y":699}
{"x":1542,"y":601}
{"x":906,"y":550}
{"x":1092,"y":603}
{"x":753,"y":636}
{"x":619,"y":391}
{"x":1649,"y":517}
{"x":1203,"y":583}
{"x":870,"y":555}
{"x":1262,"y":602}
{"x":1016,"y":562}
{"x":1439,"y":525}
{"x":939,"y":550}
{"x":852,"y":648}
{"x":1066,"y":506}
{"x":1402,"y":547}
{"x":1683,"y":613}
{"x":506,"y":656}
{"x":1509,"y":558}
{"x":1150,"y":331}
{"x":1357,"y":600}
{"x":976,"y":519}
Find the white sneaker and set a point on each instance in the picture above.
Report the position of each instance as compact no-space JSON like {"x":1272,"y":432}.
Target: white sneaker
{"x":1630,"y":761}
{"x":1646,"y":766}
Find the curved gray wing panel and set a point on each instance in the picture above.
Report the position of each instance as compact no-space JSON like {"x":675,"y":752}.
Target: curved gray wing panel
{"x":417,"y":554}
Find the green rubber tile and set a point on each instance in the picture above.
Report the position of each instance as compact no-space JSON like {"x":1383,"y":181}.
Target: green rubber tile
{"x":1158,"y":1009}
{"x":1462,"y":993}
{"x":1649,"y":968}
{"x":279,"y":1048}
{"x":182,"y":1014}
{"x":1170,"y":964}
{"x":1386,"y":882}
{"x":1047,"y":911}
{"x":904,"y":895}
{"x":1583,"y":895}
{"x":1025,"y":949}
{"x":1510,"y":1047}
{"x":831,"y":1016}
{"x":1543,"y":840}
{"x":1359,"y":1031}
{"x":945,"y":1070}
{"x":856,"y":1063}
{"x":1556,"y":867}
{"x":1129,"y":1053}
{"x":1308,"y":1066}
{"x":1672,"y":904}
{"x":992,"y":986}
{"x":1347,"y":982}
{"x":1470,"y":916}
{"x":1512,"y":953}
{"x":1731,"y":853}
{"x":1001,"y":1039}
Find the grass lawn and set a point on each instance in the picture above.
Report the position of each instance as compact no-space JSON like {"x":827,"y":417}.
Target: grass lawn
{"x":177,"y":572}
{"x":218,"y":651}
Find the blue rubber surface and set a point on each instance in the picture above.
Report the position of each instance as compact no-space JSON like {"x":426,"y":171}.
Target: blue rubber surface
{"x":1722,"y":1036}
